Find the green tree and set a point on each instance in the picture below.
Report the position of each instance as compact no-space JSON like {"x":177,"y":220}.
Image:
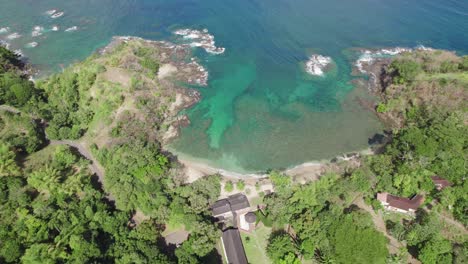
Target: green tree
{"x":405,"y":70}
{"x":354,"y":244}
{"x":8,"y":166}
{"x":435,"y":251}
{"x":281,"y":248}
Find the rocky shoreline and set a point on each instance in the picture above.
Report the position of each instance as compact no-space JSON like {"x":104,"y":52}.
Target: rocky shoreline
{"x":177,"y":65}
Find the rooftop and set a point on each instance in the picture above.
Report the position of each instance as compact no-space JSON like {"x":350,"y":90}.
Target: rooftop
{"x":233,"y":247}
{"x":401,"y":202}
{"x":232,"y":203}
{"x":440,"y":182}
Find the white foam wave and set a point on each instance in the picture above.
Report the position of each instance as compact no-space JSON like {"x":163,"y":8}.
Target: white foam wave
{"x":71,"y":29}
{"x":200,"y":38}
{"x":4,"y":30}
{"x":32,"y":45}
{"x":202,"y":78}
{"x":369,"y":56}
{"x":37,"y":31}
{"x":317,"y":64}
{"x":55,"y":28}
{"x":19,"y":52}
{"x":57,"y":15}
{"x":14,"y":36}
{"x":50,"y":12}
{"x":5,"y":44}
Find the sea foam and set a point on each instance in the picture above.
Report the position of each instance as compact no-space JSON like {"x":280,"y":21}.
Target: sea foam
{"x":19,"y":52}
{"x":14,"y":36}
{"x":37,"y":31}
{"x":317,"y":64}
{"x":4,"y":44}
{"x":369,"y":56}
{"x":4,"y":30}
{"x":71,"y":29}
{"x":200,"y":38}
{"x":32,"y":45}
{"x":202,"y":78}
{"x":57,"y":15}
{"x":50,"y":12}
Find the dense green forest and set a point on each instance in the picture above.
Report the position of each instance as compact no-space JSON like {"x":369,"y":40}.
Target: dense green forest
{"x":54,"y":210}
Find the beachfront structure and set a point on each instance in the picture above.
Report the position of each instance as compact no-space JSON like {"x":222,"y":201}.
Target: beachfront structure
{"x":400,"y":204}
{"x":231,"y":207}
{"x":236,"y":208}
{"x":232,"y":247}
{"x":440,"y":183}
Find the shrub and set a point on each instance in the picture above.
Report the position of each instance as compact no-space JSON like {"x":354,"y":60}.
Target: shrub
{"x":240,"y":185}
{"x":464,"y":64}
{"x":405,"y":70}
{"x":448,"y":66}
{"x":381,"y":108}
{"x":228,"y":186}
{"x":150,"y":64}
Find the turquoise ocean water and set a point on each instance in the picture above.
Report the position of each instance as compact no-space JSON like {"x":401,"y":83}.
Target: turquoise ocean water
{"x":260,"y":110}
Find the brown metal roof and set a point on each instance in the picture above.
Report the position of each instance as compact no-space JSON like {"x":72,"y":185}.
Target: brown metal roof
{"x":440,"y":182}
{"x":401,"y":202}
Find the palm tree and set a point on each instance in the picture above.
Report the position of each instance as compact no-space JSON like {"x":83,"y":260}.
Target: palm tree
{"x":46,"y":178}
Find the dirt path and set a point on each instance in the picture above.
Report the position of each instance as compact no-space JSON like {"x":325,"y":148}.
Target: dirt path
{"x":453,"y":222}
{"x":448,"y":220}
{"x":10,"y":109}
{"x":394,"y":245}
{"x":379,"y":223}
{"x":95,"y":166}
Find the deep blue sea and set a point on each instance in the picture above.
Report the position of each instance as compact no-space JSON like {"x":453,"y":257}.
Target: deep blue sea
{"x":261,"y":109}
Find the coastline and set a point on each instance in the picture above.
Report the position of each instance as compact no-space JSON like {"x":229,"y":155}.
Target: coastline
{"x":186,"y":98}
{"x":195,"y":169}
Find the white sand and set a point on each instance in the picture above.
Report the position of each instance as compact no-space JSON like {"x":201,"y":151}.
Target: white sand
{"x":196,"y":170}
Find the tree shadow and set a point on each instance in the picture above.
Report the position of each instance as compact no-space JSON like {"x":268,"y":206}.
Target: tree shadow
{"x":212,"y":258}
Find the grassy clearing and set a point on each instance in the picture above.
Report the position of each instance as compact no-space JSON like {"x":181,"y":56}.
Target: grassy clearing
{"x":171,"y":228}
{"x":39,"y":158}
{"x":459,"y":77}
{"x":255,"y":245}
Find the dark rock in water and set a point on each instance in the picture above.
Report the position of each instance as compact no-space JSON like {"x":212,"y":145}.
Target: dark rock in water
{"x":376,"y":139}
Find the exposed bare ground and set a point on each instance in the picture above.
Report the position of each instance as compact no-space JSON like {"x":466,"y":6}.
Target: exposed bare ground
{"x":166,"y":70}
{"x":117,"y":75}
{"x":176,"y":238}
{"x":139,"y":217}
{"x":10,"y":109}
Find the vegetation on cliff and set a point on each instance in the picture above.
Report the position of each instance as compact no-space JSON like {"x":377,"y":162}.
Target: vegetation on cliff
{"x":116,"y":104}
{"x":53,"y":209}
{"x":423,"y":95}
